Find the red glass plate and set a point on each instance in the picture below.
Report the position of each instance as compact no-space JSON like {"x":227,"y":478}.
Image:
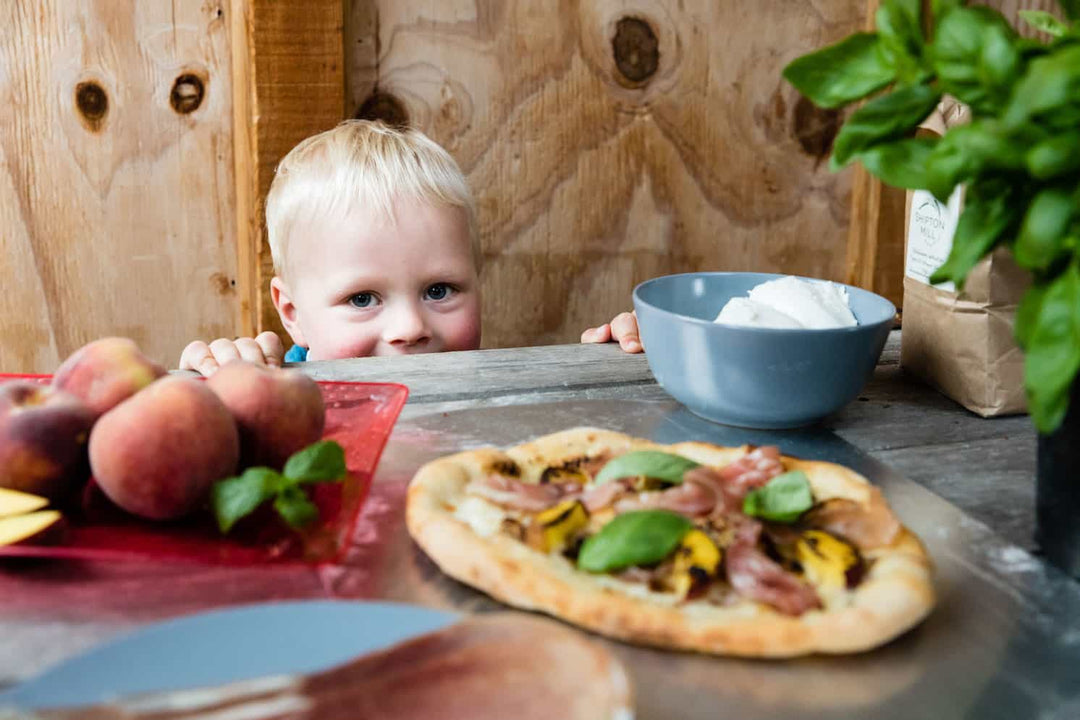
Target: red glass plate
{"x":359,"y":416}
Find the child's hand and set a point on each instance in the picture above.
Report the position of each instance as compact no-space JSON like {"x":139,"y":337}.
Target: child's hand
{"x":265,"y":349}
{"x":622,"y":329}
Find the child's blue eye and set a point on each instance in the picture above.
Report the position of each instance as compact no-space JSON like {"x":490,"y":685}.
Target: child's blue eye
{"x":438,"y":291}
{"x":362,"y":300}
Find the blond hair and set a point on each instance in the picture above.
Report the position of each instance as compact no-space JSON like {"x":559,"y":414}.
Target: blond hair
{"x":362,"y":163}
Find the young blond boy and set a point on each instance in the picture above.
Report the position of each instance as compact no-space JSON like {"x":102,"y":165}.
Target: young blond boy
{"x":372,"y":232}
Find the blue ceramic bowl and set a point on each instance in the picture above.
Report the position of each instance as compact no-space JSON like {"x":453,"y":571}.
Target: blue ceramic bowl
{"x":754,"y":377}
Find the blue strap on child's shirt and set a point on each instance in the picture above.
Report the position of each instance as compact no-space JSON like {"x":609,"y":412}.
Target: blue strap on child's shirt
{"x":296,"y":354}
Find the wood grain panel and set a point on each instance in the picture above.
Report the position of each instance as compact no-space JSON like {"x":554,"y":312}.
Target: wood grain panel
{"x":610,"y":141}
{"x":299,"y":81}
{"x":116,"y":177}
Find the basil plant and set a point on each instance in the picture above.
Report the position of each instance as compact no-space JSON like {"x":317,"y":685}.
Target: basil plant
{"x":1019,"y":157}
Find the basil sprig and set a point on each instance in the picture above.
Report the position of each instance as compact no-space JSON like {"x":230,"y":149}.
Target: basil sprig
{"x":646,"y":463}
{"x":641,"y":537}
{"x":1019,"y":157}
{"x":234,"y":498}
{"x":1045,"y":22}
{"x":841,"y":73}
{"x":783,"y":499}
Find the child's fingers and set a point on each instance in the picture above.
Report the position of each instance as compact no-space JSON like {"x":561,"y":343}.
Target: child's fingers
{"x":272,"y":349}
{"x":624,"y":328}
{"x":600,"y":334}
{"x":224,"y":350}
{"x":249,"y":350}
{"x":198,"y":357}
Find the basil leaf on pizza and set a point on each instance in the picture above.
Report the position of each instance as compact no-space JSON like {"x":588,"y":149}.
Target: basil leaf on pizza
{"x":642,"y":537}
{"x":646,"y":463}
{"x":783,"y":499}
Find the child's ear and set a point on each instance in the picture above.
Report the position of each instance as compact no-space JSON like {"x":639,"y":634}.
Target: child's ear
{"x":282,"y":299}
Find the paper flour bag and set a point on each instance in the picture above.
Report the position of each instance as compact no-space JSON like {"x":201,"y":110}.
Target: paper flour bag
{"x":961,"y":343}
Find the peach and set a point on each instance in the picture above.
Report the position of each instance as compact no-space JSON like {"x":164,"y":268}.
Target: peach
{"x":277,"y":411}
{"x":43,"y":438}
{"x":157,"y":454}
{"x":106,"y":372}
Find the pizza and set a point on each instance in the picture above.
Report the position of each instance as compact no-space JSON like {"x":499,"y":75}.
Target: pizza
{"x":727,"y":550}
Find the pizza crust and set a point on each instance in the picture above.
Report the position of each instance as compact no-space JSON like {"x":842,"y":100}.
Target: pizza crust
{"x":895,"y":595}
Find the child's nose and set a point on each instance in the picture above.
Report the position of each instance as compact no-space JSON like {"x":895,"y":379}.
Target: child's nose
{"x":406,"y":326}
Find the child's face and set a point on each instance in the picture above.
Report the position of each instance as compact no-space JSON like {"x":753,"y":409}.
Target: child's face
{"x":364,"y":285}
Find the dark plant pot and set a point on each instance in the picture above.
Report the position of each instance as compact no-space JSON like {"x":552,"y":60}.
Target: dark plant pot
{"x":1057,"y":492}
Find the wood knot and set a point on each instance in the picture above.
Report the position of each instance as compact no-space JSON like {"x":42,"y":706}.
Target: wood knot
{"x":222,"y":283}
{"x":636,"y":51}
{"x":92,"y":103}
{"x":187,"y":93}
{"x":815,"y":128}
{"x":383,"y":106}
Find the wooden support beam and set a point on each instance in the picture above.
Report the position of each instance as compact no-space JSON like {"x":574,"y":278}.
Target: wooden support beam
{"x":289,"y":83}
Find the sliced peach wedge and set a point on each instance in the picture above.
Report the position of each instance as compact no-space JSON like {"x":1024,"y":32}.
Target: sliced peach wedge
{"x":39,"y":527}
{"x":14,"y":502}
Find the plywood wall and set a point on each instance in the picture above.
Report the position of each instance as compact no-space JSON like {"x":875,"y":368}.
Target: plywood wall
{"x":609,"y":141}
{"x":296,"y":77}
{"x":116,"y":177}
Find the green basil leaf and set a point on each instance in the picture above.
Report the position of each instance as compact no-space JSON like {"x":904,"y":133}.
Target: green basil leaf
{"x":976,"y":58}
{"x":643,"y":537}
{"x":1027,"y":314}
{"x":1044,"y":22}
{"x":901,"y":163}
{"x":899,"y":28}
{"x":782,"y":499}
{"x":968,"y":150}
{"x":236,"y":497}
{"x":323,"y":461}
{"x":1053,"y":350}
{"x":295,"y":507}
{"x":990,"y":212}
{"x":1043,"y":230}
{"x":883,"y":118}
{"x":842,"y":73}
{"x":1000,"y":61}
{"x":1031,"y":49}
{"x":1055,"y":156}
{"x":1050,"y":90}
{"x":646,"y":463}
{"x":940,"y":7}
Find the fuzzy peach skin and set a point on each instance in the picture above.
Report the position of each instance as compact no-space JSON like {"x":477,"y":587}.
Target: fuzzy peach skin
{"x":106,"y":372}
{"x":43,"y":438}
{"x":277,"y":411}
{"x":157,"y":454}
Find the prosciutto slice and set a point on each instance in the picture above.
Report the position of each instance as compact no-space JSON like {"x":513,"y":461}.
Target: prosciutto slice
{"x":703,"y":490}
{"x":497,"y":666}
{"x":691,"y":499}
{"x":706,"y":491}
{"x":752,"y":470}
{"x":513,"y":493}
{"x":601,"y":496}
{"x":754,"y":575}
{"x":867,"y":526}
{"x":728,"y":496}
